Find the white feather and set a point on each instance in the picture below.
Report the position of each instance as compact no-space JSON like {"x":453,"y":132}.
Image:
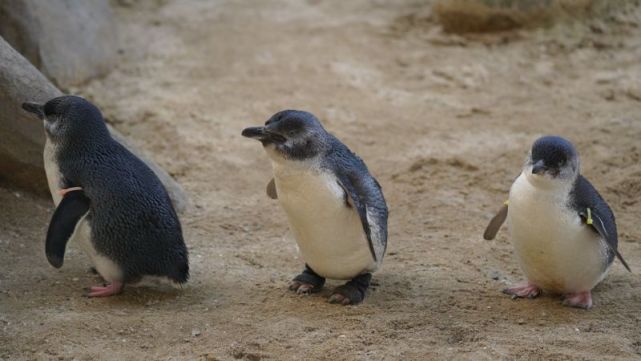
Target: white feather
{"x":376,"y":236}
{"x":107,"y":268}
{"x":330,"y":235}
{"x":52,"y":171}
{"x":556,"y":251}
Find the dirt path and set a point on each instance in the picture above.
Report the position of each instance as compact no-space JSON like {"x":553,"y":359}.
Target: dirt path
{"x":443,"y":122}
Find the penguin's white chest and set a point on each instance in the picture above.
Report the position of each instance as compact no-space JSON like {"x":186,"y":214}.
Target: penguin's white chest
{"x":328,"y":232}
{"x":556,"y":251}
{"x":54,"y":177}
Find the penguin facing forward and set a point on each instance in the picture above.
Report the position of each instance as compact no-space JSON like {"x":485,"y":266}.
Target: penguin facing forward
{"x":108,"y":199}
{"x":335,"y":208}
{"x":564,"y":234}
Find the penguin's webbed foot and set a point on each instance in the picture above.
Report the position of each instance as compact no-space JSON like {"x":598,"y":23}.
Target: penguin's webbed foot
{"x":579,"y":300}
{"x":307,"y":282}
{"x":523,"y":290}
{"x":110,"y":289}
{"x":303,"y":288}
{"x":353,"y":292}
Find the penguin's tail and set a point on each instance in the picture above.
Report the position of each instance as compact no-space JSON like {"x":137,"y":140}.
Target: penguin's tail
{"x":180,"y":272}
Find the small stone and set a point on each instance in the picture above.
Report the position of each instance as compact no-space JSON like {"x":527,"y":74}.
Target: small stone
{"x":520,"y":321}
{"x":608,"y":94}
{"x":495,"y":275}
{"x":634,"y":93}
{"x":195,"y":333}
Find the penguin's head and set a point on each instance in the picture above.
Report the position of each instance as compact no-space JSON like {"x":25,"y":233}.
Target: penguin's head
{"x":290,"y":134}
{"x":69,"y":118}
{"x":553,"y":159}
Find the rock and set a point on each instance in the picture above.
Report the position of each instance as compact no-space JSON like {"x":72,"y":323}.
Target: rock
{"x":22,"y":137}
{"x":69,"y":41}
{"x":465,"y":16}
{"x":634,"y":93}
{"x":495,"y":275}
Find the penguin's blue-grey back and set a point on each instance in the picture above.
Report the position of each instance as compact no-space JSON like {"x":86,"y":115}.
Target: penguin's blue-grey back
{"x":351,"y":170}
{"x":131,"y":215}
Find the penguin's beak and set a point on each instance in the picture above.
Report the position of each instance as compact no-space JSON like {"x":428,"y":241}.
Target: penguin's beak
{"x":254,"y":132}
{"x":35,"y":108}
{"x":539,"y":167}
{"x":262,"y":134}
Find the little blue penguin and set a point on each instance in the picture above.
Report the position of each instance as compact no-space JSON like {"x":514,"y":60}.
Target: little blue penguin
{"x":108,"y":199}
{"x":564,"y":233}
{"x":335,"y":208}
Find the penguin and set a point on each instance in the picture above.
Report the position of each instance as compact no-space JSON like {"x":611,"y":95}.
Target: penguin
{"x":563,"y":232}
{"x":107,"y":199}
{"x":335,"y":207}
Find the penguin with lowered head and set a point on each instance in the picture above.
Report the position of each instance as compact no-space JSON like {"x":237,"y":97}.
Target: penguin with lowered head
{"x":107,"y":199}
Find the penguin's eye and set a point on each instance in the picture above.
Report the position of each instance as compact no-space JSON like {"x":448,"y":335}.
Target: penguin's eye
{"x":292,"y":133}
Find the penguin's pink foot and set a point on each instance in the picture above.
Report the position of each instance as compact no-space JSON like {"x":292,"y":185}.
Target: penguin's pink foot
{"x":523,"y":290}
{"x":64,"y":191}
{"x":307,"y":282}
{"x":111,"y":289}
{"x":302,"y":287}
{"x":579,"y":300}
{"x":339,"y":299}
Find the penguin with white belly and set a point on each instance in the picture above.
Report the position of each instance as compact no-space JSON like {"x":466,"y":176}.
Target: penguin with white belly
{"x":564,"y":234}
{"x":108,"y":199}
{"x":335,"y":208}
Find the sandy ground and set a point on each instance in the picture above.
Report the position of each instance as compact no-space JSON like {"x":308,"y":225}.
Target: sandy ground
{"x":443,"y":122}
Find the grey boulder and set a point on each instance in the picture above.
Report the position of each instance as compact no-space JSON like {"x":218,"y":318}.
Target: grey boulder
{"x":22,"y":137}
{"x":70,"y":41}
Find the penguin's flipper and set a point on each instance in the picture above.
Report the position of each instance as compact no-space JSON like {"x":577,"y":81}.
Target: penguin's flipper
{"x":596,"y":212}
{"x":592,"y":218}
{"x":365,"y":195}
{"x":495,"y":224}
{"x":63,"y":223}
{"x":349,"y":203}
{"x":271,"y":189}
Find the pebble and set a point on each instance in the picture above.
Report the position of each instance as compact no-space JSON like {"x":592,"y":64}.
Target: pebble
{"x":634,"y":93}
{"x":495,"y":275}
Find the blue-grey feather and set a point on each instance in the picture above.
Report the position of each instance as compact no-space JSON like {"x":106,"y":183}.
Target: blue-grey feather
{"x":131,"y":217}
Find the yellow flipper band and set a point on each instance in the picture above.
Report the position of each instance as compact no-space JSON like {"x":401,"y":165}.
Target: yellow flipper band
{"x":506,"y":202}
{"x":589,"y":220}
